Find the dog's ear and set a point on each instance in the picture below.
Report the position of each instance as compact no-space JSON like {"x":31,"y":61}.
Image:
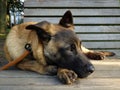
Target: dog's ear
{"x":41,"y":30}
{"x":67,"y":19}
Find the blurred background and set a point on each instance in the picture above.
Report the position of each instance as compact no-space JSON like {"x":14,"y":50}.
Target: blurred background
{"x":11,"y":13}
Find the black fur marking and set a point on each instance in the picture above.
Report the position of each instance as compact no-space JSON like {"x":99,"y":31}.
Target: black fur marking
{"x":40,"y":32}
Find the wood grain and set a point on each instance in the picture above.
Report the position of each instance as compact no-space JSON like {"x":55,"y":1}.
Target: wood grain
{"x":72,"y":3}
{"x":78,"y":20}
{"x":107,"y":72}
{"x":75,"y":12}
{"x":97,"y":29}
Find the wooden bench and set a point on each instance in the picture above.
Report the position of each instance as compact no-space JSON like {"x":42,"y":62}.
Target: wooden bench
{"x":97,"y":23}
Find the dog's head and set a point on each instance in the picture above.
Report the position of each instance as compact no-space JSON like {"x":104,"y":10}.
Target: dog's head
{"x":61,"y":45}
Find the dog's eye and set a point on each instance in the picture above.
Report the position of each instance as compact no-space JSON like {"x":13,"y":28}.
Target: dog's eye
{"x":73,"y":47}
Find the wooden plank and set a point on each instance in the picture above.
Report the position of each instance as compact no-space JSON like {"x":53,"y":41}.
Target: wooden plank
{"x":78,"y":20}
{"x":75,"y":12}
{"x":106,"y":66}
{"x":99,"y":36}
{"x":45,"y":84}
{"x":98,"y":29}
{"x":65,"y":87}
{"x":106,"y":73}
{"x":54,"y":81}
{"x":102,"y":44}
{"x":29,"y":81}
{"x":72,"y":3}
{"x":21,"y":74}
{"x":33,"y":87}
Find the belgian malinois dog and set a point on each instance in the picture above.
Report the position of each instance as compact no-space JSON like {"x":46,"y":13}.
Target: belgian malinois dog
{"x":56,"y":49}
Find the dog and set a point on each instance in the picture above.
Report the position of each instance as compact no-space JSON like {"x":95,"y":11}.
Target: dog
{"x":56,"y":49}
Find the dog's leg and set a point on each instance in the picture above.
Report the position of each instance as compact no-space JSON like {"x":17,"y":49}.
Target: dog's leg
{"x":36,"y":67}
{"x":96,"y":55}
{"x":66,"y":76}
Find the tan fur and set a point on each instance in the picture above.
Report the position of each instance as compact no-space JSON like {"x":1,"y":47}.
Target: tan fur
{"x":15,"y":42}
{"x":19,"y":36}
{"x":8,"y":57}
{"x":14,"y":47}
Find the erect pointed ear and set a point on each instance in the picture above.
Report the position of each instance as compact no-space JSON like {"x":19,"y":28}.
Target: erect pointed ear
{"x":67,"y":19}
{"x":41,"y":29}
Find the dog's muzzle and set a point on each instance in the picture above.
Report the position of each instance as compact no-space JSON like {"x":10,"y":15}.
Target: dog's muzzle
{"x":90,"y":69}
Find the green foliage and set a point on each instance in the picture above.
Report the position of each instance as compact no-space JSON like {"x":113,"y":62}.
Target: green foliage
{"x":15,"y":5}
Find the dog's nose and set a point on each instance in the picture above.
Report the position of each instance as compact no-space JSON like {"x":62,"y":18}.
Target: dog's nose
{"x":90,"y":68}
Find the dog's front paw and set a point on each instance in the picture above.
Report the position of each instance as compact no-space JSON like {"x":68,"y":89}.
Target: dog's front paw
{"x":67,"y":76}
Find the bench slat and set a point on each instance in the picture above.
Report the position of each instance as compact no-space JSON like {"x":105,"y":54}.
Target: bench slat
{"x":78,"y":20}
{"x":102,"y":44}
{"x":97,"y":29}
{"x":99,"y":36}
{"x":75,"y":12}
{"x":72,"y":3}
